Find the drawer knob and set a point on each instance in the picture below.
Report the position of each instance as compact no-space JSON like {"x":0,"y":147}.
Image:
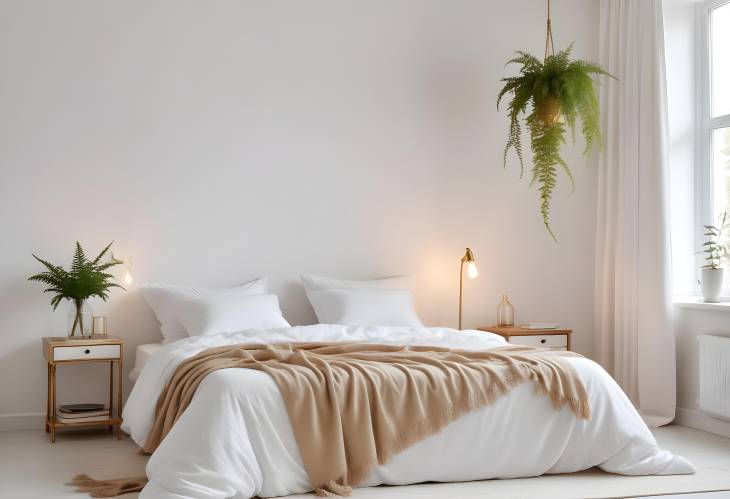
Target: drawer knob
{"x":541,"y":341}
{"x":89,"y":351}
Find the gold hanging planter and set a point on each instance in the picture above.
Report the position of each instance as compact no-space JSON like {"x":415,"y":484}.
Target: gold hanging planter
{"x":548,"y":111}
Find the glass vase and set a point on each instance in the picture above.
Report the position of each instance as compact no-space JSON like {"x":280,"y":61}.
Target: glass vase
{"x":505,"y":312}
{"x":79,"y":320}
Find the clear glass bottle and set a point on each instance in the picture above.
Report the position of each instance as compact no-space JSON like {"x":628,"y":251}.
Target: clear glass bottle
{"x":505,"y":312}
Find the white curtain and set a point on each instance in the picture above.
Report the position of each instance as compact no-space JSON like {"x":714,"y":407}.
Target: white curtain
{"x":634,"y":339}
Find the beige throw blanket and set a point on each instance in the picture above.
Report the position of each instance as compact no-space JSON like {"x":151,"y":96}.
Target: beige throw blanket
{"x":353,"y":406}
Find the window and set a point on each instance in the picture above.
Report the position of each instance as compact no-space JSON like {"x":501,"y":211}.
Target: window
{"x":714,"y":114}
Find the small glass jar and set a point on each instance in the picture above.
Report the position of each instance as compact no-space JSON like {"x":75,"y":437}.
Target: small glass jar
{"x":505,"y":312}
{"x":99,"y":325}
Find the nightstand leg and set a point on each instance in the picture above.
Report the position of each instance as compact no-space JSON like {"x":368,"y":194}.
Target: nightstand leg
{"x":111,"y":394}
{"x":53,"y":403}
{"x":119,"y":395}
{"x":48,"y":396}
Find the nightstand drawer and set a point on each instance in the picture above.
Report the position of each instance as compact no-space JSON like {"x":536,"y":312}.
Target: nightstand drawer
{"x":87,"y":352}
{"x":546,"y":341}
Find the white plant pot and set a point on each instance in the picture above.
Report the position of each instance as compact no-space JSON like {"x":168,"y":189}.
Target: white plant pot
{"x":711,"y":284}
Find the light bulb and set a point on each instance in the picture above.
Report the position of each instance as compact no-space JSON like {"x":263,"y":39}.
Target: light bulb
{"x":471,"y":270}
{"x":128,"y":266}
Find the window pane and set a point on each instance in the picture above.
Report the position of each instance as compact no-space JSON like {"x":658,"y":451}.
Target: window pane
{"x":721,"y":60}
{"x":721,"y":166}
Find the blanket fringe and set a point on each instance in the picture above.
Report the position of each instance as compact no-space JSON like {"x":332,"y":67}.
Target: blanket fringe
{"x":333,"y":489}
{"x":107,"y":488}
{"x":118,"y":486}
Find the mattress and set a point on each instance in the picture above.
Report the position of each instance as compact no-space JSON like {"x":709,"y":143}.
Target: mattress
{"x":144,"y":353}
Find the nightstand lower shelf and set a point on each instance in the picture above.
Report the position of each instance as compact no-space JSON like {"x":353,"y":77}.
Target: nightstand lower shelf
{"x":101,"y":422}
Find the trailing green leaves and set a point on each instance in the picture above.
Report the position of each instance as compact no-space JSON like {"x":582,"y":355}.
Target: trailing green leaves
{"x":571,"y":83}
{"x":546,"y":142}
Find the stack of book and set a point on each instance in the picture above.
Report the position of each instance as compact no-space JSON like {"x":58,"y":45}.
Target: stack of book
{"x":539,"y":325}
{"x":81,"y":413}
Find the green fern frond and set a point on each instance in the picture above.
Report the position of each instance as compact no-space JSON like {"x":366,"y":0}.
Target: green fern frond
{"x":546,"y":142}
{"x":528,"y":61}
{"x":53,"y":269}
{"x":56,"y":300}
{"x":109,"y":264}
{"x":510,"y":84}
{"x":79,"y":258}
{"x":102,"y":253}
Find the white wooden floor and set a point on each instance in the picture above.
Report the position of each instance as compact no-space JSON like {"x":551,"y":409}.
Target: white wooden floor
{"x":31,"y":468}
{"x":700,"y":495}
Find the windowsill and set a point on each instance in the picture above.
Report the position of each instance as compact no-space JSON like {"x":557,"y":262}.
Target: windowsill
{"x":696,"y":302}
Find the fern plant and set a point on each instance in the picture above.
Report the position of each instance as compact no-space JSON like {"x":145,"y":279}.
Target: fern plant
{"x":85,"y":279}
{"x":541,"y":93}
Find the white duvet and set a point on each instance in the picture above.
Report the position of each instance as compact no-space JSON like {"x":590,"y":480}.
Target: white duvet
{"x":235,"y":440}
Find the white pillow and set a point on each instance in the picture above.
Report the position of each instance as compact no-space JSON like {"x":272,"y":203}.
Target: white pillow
{"x":318,"y":283}
{"x":229,"y":313}
{"x":165,"y":300}
{"x":365,"y":307}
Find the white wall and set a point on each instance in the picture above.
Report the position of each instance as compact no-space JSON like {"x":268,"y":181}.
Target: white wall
{"x":219,"y":141}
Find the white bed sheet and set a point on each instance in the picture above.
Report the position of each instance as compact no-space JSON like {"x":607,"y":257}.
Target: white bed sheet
{"x":143,"y":355}
{"x":235,"y":439}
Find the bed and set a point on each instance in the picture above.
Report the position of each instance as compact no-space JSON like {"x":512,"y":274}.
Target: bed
{"x":235,"y":439}
{"x":143,"y":355}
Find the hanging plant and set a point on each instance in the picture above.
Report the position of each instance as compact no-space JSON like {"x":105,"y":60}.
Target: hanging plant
{"x":551,"y":96}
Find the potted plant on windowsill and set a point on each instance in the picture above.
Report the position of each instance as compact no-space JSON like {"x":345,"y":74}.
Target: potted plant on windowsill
{"x":85,"y":279}
{"x":715,"y":251}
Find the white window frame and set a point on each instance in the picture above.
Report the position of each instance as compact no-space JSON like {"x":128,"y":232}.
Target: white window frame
{"x":704,"y":171}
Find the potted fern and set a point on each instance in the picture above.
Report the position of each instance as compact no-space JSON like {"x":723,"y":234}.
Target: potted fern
{"x":715,"y":251}
{"x":85,"y":279}
{"x":543,"y":93}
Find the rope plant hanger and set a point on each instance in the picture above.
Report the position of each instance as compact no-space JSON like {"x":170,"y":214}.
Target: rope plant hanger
{"x":541,"y":94}
{"x":550,"y":109}
{"x":549,"y":46}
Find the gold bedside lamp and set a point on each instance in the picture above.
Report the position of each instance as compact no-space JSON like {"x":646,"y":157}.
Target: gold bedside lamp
{"x":471,"y":271}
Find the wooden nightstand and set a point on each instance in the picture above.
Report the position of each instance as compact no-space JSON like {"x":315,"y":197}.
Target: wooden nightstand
{"x":556,"y":339}
{"x":62,"y":350}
